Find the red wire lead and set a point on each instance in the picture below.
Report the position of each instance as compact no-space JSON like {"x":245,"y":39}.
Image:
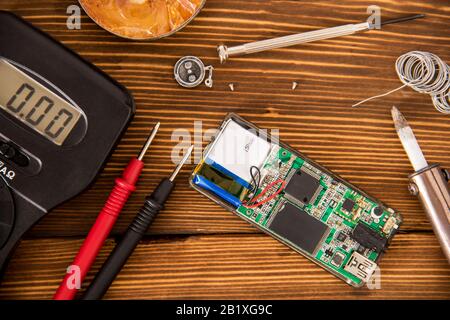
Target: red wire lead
{"x":83,"y":261}
{"x":255,"y":204}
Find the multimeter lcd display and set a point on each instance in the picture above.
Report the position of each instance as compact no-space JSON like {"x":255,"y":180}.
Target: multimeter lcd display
{"x":36,"y":106}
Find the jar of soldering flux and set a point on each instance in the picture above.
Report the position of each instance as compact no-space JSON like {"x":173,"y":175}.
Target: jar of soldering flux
{"x":142,"y":19}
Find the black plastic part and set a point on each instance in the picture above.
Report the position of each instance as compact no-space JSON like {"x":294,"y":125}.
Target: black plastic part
{"x":298,"y":227}
{"x":369,"y":238}
{"x":13,"y":154}
{"x":123,"y":250}
{"x":338,"y":258}
{"x":6,"y":212}
{"x":302,"y":186}
{"x":63,"y":172}
{"x":348,"y":205}
{"x":341,"y":236}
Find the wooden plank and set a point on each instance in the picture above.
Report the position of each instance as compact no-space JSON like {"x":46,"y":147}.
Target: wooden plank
{"x":359,"y":144}
{"x":230,"y":266}
{"x":212,"y":254}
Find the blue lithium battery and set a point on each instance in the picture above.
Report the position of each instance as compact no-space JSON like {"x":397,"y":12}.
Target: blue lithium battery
{"x":218,"y":191}
{"x":228,"y":173}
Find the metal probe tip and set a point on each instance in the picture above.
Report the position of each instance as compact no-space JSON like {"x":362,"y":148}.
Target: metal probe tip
{"x":182,"y":162}
{"x":149,"y":141}
{"x":403,"y":19}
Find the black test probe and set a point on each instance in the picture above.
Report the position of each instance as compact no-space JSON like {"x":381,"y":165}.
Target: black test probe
{"x":154,"y":203}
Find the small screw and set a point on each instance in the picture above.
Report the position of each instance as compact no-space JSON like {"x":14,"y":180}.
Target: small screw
{"x":446,"y":174}
{"x":294,"y":85}
{"x":413,"y":189}
{"x":231,"y":85}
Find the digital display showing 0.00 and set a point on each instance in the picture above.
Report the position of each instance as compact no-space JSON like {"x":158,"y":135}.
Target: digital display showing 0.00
{"x":35,"y":105}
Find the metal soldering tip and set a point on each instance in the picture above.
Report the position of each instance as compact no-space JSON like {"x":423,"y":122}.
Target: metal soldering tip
{"x":399,"y":120}
{"x":408,"y":140}
{"x":149,"y":141}
{"x":182,"y":162}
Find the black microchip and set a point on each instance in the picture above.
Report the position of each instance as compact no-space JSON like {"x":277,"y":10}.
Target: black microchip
{"x":302,"y":187}
{"x":348,"y":205}
{"x":298,"y":227}
{"x":369,"y":238}
{"x":341,"y":236}
{"x":338,"y":259}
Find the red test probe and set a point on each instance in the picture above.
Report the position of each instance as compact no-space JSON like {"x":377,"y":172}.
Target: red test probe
{"x":124,"y":186}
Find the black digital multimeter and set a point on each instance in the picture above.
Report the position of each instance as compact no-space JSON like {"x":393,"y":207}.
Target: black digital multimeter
{"x":60,"y":118}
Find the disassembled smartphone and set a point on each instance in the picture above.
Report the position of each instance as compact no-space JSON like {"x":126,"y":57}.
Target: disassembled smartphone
{"x":295,"y":200}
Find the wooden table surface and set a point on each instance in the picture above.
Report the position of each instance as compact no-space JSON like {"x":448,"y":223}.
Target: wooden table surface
{"x":196,"y":249}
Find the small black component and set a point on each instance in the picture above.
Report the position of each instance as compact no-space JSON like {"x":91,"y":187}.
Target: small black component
{"x":298,"y":227}
{"x":378,"y":211}
{"x":302,"y":187}
{"x":329,"y":252}
{"x":338,"y":259}
{"x":341,"y":236}
{"x":13,"y":154}
{"x":7,"y":212}
{"x":369,"y":238}
{"x":348,"y":205}
{"x":361,"y":250}
{"x":344,"y":247}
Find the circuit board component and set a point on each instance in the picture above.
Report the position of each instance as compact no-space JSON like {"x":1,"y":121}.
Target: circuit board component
{"x":297,"y":201}
{"x":298,"y":227}
{"x":302,"y":187}
{"x":360,"y":266}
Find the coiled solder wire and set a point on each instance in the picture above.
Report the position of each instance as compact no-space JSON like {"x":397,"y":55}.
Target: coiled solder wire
{"x":425,"y":73}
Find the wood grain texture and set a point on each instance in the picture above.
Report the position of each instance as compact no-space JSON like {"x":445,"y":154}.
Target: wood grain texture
{"x":359,"y":144}
{"x":224,"y":266}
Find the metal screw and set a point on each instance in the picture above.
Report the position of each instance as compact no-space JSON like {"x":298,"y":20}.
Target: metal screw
{"x":209,"y":81}
{"x":413,"y":189}
{"x":446,"y":174}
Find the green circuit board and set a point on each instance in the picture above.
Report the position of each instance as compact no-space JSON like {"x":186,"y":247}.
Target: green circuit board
{"x":338,"y":207}
{"x":296,"y":201}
